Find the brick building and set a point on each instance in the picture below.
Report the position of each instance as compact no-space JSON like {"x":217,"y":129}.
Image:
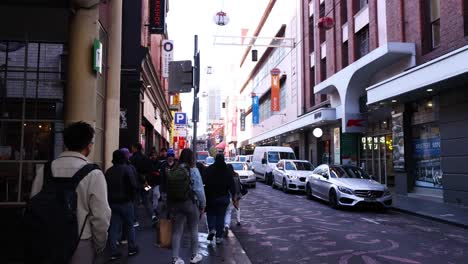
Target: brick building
{"x":395,"y":73}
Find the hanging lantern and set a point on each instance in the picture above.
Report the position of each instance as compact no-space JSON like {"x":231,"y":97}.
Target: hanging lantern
{"x":326,"y":23}
{"x":221,"y":18}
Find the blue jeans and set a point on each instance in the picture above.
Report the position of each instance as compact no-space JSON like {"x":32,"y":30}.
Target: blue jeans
{"x":215,"y":212}
{"x":121,"y":219}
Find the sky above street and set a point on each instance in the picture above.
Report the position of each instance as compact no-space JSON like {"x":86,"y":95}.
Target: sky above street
{"x":187,"y":18}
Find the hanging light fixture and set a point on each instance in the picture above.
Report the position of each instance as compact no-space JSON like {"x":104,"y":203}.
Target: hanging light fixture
{"x":221,"y":18}
{"x":254,"y":55}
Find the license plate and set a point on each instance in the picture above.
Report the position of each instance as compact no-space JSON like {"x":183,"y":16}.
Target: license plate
{"x":369,"y":199}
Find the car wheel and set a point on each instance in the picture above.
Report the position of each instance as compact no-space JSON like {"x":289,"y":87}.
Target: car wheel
{"x":265,"y":178}
{"x":285,"y":186}
{"x":254,"y":185}
{"x":309,"y":192}
{"x":273,"y":184}
{"x":333,"y":199}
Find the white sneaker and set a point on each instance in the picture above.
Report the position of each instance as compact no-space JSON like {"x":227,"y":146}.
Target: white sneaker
{"x":196,"y":258}
{"x":219,"y":240}
{"x":178,"y":261}
{"x":136,"y":224}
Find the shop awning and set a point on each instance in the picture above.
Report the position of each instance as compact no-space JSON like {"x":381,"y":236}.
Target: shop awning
{"x":449,"y":66}
{"x":318,"y":117}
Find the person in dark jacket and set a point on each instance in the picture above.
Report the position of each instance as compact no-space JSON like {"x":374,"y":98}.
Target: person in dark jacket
{"x":143,"y":167}
{"x":121,"y":186}
{"x":219,"y":187}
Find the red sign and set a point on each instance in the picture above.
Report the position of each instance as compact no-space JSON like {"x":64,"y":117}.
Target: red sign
{"x":355,"y":122}
{"x":275,"y":89}
{"x":157,"y":23}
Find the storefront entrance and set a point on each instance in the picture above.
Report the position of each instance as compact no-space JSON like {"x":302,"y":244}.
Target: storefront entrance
{"x":377,"y":157}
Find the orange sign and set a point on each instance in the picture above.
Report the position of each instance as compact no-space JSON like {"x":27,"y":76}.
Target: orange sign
{"x":275,"y":90}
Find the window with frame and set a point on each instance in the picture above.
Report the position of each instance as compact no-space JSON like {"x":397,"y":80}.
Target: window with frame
{"x":344,"y":54}
{"x":344,"y":12}
{"x":312,"y":84}
{"x":311,"y":34}
{"x":322,"y":14}
{"x":32,"y":81}
{"x":323,"y":69}
{"x":431,"y":25}
{"x":360,"y":4}
{"x":283,"y":97}
{"x":465,"y":16}
{"x":362,"y":42}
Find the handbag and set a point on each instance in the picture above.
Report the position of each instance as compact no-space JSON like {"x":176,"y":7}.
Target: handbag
{"x":165,"y":233}
{"x":243,"y":189}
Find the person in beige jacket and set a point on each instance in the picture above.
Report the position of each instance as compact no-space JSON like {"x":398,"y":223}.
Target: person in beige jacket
{"x":91,"y":192}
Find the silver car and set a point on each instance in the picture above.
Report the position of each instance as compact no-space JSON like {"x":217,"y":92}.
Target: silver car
{"x":346,"y":186}
{"x":246,"y":175}
{"x":291,"y":175}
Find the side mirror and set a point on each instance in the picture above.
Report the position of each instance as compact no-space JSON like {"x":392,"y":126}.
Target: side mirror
{"x":325,"y":175}
{"x":264,"y":161}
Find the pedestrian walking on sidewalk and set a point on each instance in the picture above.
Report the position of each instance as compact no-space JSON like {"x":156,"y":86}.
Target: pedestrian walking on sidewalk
{"x":219,"y":188}
{"x":187,"y":202}
{"x":122,"y":187}
{"x":143,"y":166}
{"x":155,"y":181}
{"x":235,"y":203}
{"x":92,"y":208}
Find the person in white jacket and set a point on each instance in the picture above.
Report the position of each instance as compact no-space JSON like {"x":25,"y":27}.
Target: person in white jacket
{"x":91,"y":192}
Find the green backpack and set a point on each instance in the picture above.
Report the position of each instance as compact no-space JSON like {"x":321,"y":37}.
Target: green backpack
{"x":179,"y":184}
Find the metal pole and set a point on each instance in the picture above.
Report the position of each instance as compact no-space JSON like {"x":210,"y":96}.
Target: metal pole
{"x":195,"y":94}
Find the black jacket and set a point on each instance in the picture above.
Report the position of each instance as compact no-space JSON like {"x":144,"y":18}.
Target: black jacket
{"x":143,"y":166}
{"x":218,"y":181}
{"x":121,"y":183}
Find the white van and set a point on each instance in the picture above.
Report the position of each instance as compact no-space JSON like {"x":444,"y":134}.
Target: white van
{"x":265,"y":159}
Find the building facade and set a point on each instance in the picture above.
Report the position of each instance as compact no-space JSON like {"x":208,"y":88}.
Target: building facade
{"x":392,"y":72}
{"x":59,"y":63}
{"x":145,"y":114}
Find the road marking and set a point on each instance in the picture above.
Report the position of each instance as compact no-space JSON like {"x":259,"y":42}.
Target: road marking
{"x":370,"y":220}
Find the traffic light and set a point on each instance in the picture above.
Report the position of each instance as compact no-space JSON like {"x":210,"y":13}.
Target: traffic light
{"x":180,"y":76}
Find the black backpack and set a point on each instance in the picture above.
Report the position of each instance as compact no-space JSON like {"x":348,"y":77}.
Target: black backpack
{"x":179,"y":184}
{"x":50,"y":219}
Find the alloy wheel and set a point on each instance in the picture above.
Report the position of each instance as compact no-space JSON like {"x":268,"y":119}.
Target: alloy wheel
{"x":309,"y":192}
{"x":333,"y":200}
{"x":285,"y":186}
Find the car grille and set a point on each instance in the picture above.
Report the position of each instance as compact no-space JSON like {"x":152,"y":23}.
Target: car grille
{"x":368,"y":194}
{"x":244,"y":177}
{"x":302,"y":179}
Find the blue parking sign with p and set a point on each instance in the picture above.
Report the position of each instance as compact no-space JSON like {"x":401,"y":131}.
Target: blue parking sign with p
{"x":180,"y":119}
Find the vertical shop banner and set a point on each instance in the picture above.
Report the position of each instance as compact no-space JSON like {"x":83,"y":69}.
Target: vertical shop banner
{"x":234,"y":123}
{"x":398,"y":142}
{"x":275,"y":89}
{"x":167,"y":56}
{"x":157,"y":23}
{"x":242,"y":120}
{"x":255,"y":113}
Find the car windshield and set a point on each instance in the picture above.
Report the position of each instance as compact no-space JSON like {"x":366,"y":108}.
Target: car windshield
{"x":356,"y":173}
{"x":238,"y":166}
{"x":297,"y":165}
{"x":275,"y":156}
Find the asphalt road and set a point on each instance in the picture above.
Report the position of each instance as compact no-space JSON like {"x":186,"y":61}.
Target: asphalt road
{"x":288,"y":228}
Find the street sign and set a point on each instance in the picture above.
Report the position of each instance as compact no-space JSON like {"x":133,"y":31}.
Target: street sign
{"x":180,"y":77}
{"x":167,"y":56}
{"x":180,"y":119}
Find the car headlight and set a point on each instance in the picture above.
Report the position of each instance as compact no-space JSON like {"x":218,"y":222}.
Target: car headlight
{"x":387,"y":192}
{"x":292,"y":177}
{"x":345,"y":190}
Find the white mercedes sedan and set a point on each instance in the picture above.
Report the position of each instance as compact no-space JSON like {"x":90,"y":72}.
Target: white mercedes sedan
{"x":346,"y":186}
{"x":291,"y":175}
{"x":246,"y":175}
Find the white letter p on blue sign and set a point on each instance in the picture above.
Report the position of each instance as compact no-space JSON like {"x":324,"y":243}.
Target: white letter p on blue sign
{"x":180,"y":118}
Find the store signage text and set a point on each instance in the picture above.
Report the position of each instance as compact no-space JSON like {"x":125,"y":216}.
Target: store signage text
{"x":157,"y":23}
{"x":167,"y":56}
{"x":97,"y":56}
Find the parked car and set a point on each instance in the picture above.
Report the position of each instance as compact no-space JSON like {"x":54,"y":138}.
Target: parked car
{"x":246,"y":176}
{"x":265,"y":159}
{"x":241,"y":158}
{"x":346,"y":186}
{"x":291,"y":175}
{"x":249,"y":158}
{"x":202,"y":155}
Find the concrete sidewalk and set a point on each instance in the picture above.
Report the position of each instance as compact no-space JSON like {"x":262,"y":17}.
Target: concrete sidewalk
{"x":438,"y":211}
{"x":230,"y":251}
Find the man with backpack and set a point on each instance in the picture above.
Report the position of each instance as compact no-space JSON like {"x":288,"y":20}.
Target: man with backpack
{"x":68,"y":215}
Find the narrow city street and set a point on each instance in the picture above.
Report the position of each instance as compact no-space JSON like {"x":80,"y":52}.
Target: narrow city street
{"x":288,"y":228}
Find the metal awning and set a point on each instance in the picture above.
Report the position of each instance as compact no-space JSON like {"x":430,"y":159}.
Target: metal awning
{"x":432,"y":73}
{"x":318,"y":117}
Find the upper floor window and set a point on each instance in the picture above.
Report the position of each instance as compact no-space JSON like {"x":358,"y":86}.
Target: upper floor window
{"x":431,"y":24}
{"x":344,"y":12}
{"x":345,"y":54}
{"x":322,"y":14}
{"x":465,"y":16}
{"x":323,"y":69}
{"x":311,"y":34}
{"x":362,"y":42}
{"x":360,"y":4}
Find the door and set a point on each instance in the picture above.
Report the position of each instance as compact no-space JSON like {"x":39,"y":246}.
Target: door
{"x":376,"y":157}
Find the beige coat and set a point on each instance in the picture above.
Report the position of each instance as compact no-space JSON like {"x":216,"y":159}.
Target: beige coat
{"x":92,"y":196}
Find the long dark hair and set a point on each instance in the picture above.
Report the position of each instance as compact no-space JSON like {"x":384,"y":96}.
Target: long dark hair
{"x":186,"y":156}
